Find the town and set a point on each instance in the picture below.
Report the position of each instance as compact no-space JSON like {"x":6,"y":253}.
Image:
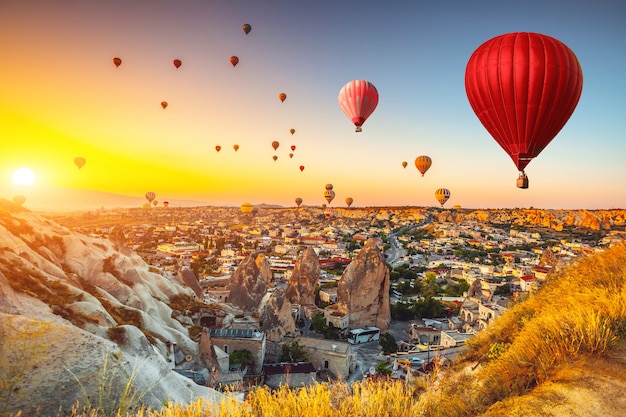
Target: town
{"x":275,"y":303}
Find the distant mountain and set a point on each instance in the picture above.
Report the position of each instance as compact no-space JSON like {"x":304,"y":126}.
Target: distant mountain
{"x":40,"y":198}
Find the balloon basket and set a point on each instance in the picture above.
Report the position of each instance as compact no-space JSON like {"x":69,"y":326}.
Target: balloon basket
{"x":522,"y":181}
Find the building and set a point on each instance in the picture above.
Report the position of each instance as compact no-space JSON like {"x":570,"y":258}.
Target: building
{"x":453,"y":338}
{"x":230,"y":340}
{"x":293,"y":375}
{"x":331,"y":356}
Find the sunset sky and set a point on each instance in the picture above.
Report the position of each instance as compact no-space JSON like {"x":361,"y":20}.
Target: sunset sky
{"x":62,"y":97}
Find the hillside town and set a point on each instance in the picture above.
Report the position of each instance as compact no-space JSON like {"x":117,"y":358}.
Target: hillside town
{"x":282,"y":294}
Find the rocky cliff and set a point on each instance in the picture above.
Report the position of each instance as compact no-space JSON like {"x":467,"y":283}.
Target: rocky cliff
{"x":80,"y":313}
{"x":304,"y":278}
{"x":363,"y":290}
{"x":247,"y":286}
{"x":276,"y":318}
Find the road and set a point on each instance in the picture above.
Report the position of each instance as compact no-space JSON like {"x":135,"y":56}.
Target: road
{"x":396,"y":250}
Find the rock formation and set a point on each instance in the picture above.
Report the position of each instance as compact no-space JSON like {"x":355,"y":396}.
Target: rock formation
{"x":304,"y":278}
{"x":276,"y":318}
{"x":363,"y":290}
{"x":265,"y":269}
{"x":247,"y":286}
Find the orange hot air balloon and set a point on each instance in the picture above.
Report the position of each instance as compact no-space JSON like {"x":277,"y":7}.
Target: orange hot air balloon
{"x":282,"y":97}
{"x":275,"y":144}
{"x":301,"y":168}
{"x":246,"y":28}
{"x":523,"y":88}
{"x":150,"y":196}
{"x":404,"y":164}
{"x":234,"y":60}
{"x":79,"y":162}
{"x":358,"y":100}
{"x":246,"y":208}
{"x":329,"y":195}
{"x":117,"y":61}
{"x":293,"y":147}
{"x":236,"y":147}
{"x":155,"y":203}
{"x":218,"y":148}
{"x":349,"y":201}
{"x":177,"y":63}
{"x":274,"y":157}
{"x":291,"y":155}
{"x":442,"y":195}
{"x":164,"y":104}
{"x":292,"y":131}
{"x":19,"y":199}
{"x":298,"y":201}
{"x":422,"y":163}
{"x":328,"y":186}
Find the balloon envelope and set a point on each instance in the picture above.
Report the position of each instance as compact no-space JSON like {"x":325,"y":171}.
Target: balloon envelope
{"x":234,"y":60}
{"x":404,"y":164}
{"x":177,"y":63}
{"x":328,"y":186}
{"x":298,"y":201}
{"x":523,"y":87}
{"x":117,"y":61}
{"x":164,"y":104}
{"x":236,"y":147}
{"x":329,"y":195}
{"x":218,"y":148}
{"x":274,"y":157}
{"x":275,"y":144}
{"x":442,"y":195}
{"x":150,"y":196}
{"x":293,"y":147}
{"x":282,"y":97}
{"x":246,"y":28}
{"x":292,"y":131}
{"x":349,"y":201}
{"x":246,"y":208}
{"x":301,"y":168}
{"x":358,"y":100}
{"x":79,"y":162}
{"x":422,"y":163}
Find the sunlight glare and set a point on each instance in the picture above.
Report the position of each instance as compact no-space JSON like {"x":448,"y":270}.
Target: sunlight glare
{"x":23,"y":176}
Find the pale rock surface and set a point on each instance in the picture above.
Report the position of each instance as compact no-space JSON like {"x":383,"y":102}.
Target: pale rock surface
{"x":247,"y":286}
{"x":304,"y":278}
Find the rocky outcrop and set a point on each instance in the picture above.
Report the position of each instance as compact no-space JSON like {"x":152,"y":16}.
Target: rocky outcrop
{"x":247,"y":286}
{"x":363,"y":290}
{"x":304,"y":278}
{"x":276,"y":319}
{"x":265,"y":269}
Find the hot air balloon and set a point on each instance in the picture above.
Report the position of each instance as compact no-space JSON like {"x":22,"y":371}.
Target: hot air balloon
{"x":246,"y":208}
{"x":236,"y":147}
{"x":155,"y":203}
{"x":293,"y":147}
{"x":329,"y":195}
{"x":246,"y":28}
{"x":234,"y":60}
{"x":177,"y":63}
{"x":166,"y":203}
{"x":146,"y":206}
{"x":164,"y":104}
{"x":19,"y":199}
{"x":292,"y":131}
{"x":150,"y":196}
{"x":298,"y":201}
{"x":358,"y":99}
{"x":349,"y":201}
{"x":274,"y":157}
{"x":291,"y":155}
{"x":442,"y":195}
{"x":523,"y":87}
{"x":404,"y":164}
{"x":218,"y":148}
{"x":328,"y":186}
{"x":301,"y":168}
{"x":282,"y":97}
{"x":275,"y":144}
{"x":79,"y":162}
{"x":117,"y":61}
{"x":422,"y":163}
{"x":457,"y":207}
{"x":328,"y":212}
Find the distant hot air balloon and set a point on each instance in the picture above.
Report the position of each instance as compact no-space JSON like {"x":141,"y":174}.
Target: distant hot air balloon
{"x":282,"y":97}
{"x":117,"y":61}
{"x":328,"y":186}
{"x":404,"y":164}
{"x":150,"y":196}
{"x":166,"y":203}
{"x":218,"y":148}
{"x":274,"y":157}
{"x":329,"y":195}
{"x":291,"y":155}
{"x":442,"y":195}
{"x":275,"y":144}
{"x":293,"y":147}
{"x":457,"y":207}
{"x":19,"y":199}
{"x":301,"y":168}
{"x":349,"y":201}
{"x":246,"y":28}
{"x":298,"y":201}
{"x":234,"y":60}
{"x":146,"y":206}
{"x":177,"y":63}
{"x":523,"y":87}
{"x":236,"y":147}
{"x":292,"y":131}
{"x":358,"y":99}
{"x":79,"y":162}
{"x":164,"y":104}
{"x":246,"y":208}
{"x":328,"y":212}
{"x":155,"y":203}
{"x":422,"y":163}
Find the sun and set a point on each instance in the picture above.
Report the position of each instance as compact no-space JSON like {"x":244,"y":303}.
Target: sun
{"x":23,"y":176}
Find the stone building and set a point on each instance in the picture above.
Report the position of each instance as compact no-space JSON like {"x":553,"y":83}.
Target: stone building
{"x":330,"y":356}
{"x":293,"y":375}
{"x":230,"y":340}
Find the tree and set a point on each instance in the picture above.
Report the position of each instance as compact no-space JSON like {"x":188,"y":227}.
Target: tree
{"x":293,"y":352}
{"x":388,"y":343}
{"x":243,"y":357}
{"x":382,"y":368}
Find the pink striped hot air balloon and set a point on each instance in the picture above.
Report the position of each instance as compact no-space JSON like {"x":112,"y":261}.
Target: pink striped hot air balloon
{"x":358,"y":99}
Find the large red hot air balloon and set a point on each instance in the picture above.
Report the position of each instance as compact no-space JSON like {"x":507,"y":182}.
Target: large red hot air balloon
{"x":523,"y":87}
{"x":358,"y":99}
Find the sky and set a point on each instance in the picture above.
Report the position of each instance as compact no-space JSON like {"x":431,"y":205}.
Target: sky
{"x":61,"y":97}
